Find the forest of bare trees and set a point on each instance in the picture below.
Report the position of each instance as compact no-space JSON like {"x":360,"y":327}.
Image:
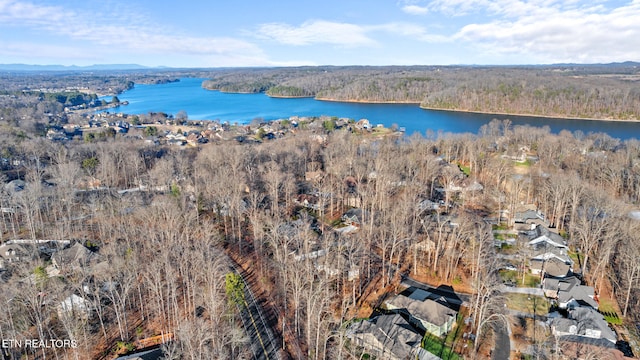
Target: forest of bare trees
{"x":161,"y":228}
{"x":160,"y":251}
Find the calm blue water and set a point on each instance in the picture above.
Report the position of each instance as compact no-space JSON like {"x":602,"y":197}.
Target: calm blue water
{"x":188,"y":95}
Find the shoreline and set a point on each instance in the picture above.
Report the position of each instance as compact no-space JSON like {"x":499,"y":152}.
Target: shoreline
{"x":368,"y":101}
{"x":288,"y":97}
{"x":529,"y":115}
{"x":563,"y":117}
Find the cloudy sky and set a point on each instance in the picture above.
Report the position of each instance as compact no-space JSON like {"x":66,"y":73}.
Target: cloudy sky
{"x":212,"y":33}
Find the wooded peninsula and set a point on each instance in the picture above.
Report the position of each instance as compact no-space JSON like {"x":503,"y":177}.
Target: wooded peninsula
{"x":569,"y":91}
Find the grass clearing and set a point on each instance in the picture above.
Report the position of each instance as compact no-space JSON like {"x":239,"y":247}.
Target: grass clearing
{"x":525,"y":303}
{"x":501,"y":226}
{"x":514,"y":277}
{"x":525,"y":163}
{"x":465,"y":169}
{"x":530,"y":280}
{"x":438,"y":347}
{"x":610,"y":312}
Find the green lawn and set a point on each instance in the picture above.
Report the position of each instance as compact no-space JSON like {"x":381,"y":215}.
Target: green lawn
{"x":437,"y":346}
{"x":526,"y":163}
{"x":608,"y":310}
{"x":530,"y":281}
{"x":576,"y":257}
{"x":465,"y":169}
{"x":524,"y":303}
{"x":512,"y":276}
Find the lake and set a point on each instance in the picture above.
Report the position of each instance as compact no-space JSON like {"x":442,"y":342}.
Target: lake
{"x":200,"y":104}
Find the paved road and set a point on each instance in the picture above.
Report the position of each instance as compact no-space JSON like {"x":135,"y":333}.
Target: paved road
{"x":502,"y":348}
{"x":263,"y":343}
{"x":517,"y":290}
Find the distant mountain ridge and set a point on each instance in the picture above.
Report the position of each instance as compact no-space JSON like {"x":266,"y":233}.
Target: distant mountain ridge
{"x":121,"y":67}
{"x":96,"y":67}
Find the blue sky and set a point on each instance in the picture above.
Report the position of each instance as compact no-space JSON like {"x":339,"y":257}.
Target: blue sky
{"x":217,"y":33}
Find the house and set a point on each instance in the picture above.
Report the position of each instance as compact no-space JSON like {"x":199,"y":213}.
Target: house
{"x":353,"y":273}
{"x":363,"y":124}
{"x":74,"y":257}
{"x":572,"y":294}
{"x":464,"y":186}
{"x":550,"y":265}
{"x":345,"y":230}
{"x":75,"y":306}
{"x":12,"y":253}
{"x":540,"y":230}
{"x":309,"y":201}
{"x":15,"y":186}
{"x":584,"y":322}
{"x":353,"y":216}
{"x":550,"y":287}
{"x":426,"y":245}
{"x":89,"y":183}
{"x":429,"y":315}
{"x":386,"y":337}
{"x":313,"y":175}
{"x":342,"y":122}
{"x":548,"y":254}
{"x":545,"y":242}
{"x":526,"y":216}
{"x":427,"y":205}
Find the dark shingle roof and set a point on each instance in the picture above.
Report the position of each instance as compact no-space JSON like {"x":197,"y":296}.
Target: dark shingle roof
{"x":392,"y":332}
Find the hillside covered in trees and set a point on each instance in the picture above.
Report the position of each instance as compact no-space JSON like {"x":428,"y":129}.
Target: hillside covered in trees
{"x":574,"y":91}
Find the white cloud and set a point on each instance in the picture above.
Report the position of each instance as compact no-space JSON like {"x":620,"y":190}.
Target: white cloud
{"x":116,"y":30}
{"x":23,"y":13}
{"x":415,"y":9}
{"x":12,"y":49}
{"x":409,"y":30}
{"x":343,"y":34}
{"x":316,"y":32}
{"x":557,"y":33}
{"x":457,"y":7}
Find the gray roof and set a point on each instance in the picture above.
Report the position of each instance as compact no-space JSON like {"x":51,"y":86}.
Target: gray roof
{"x":542,"y":230}
{"x":584,"y":321}
{"x":568,"y":283}
{"x":547,"y":243}
{"x":154,"y":354}
{"x":605,"y":343}
{"x":428,"y":310}
{"x":528,"y":215}
{"x":580,"y":293}
{"x":551,"y":284}
{"x":354,"y":215}
{"x":553,"y":267}
{"x":15,"y":185}
{"x":389,"y":332}
{"x":13,"y":251}
{"x":76,"y":255}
